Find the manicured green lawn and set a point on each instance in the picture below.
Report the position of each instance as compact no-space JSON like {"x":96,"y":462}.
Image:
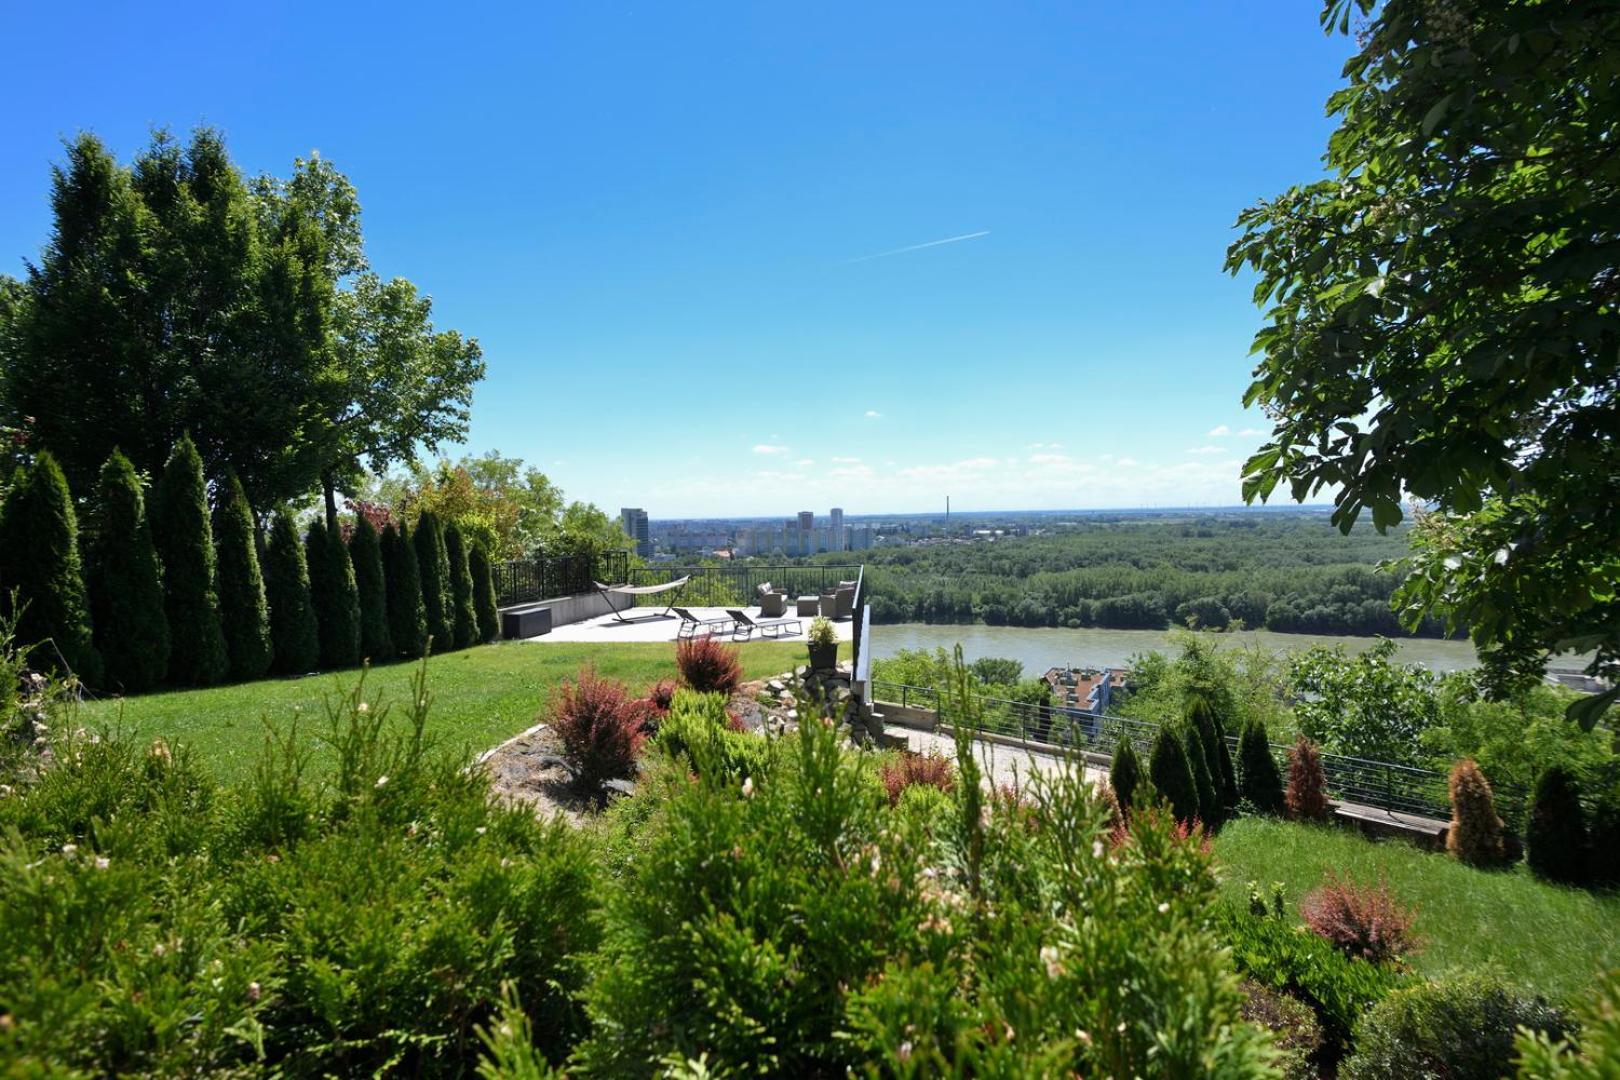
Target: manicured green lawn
{"x":1552,"y":939}
{"x":480,"y":696}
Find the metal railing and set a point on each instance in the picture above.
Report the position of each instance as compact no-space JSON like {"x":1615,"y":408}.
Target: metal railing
{"x":1384,"y":785}
{"x":521,"y":581}
{"x":738,"y":586}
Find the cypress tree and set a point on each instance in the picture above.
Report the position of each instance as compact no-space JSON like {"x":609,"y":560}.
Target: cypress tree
{"x":244,"y":614}
{"x":1555,"y":837}
{"x":1125,"y":773}
{"x":39,"y":542}
{"x":433,"y":565}
{"x":1229,"y":788}
{"x":1172,"y":776}
{"x":1259,"y":781}
{"x":185,"y":545}
{"x":372,"y":590}
{"x":126,"y":589}
{"x":463,"y":619}
{"x":332,"y":591}
{"x":483,"y":579}
{"x":1202,"y":716}
{"x":1209,"y":803}
{"x":407,"y":618}
{"x":295,"y":644}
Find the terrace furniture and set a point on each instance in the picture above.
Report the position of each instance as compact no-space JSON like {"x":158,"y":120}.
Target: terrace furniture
{"x":608,"y":592}
{"x":772,"y":602}
{"x":691,"y":625}
{"x":840,"y":603}
{"x":808,"y":606}
{"x":527,"y":621}
{"x":774,"y":628}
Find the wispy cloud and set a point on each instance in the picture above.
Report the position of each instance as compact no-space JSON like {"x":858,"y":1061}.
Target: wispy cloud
{"x":1249,"y":432}
{"x":919,"y":247}
{"x":1219,"y":430}
{"x":846,"y":460}
{"x":768,"y":448}
{"x":1207,"y":450}
{"x":805,"y":463}
{"x":873,"y":414}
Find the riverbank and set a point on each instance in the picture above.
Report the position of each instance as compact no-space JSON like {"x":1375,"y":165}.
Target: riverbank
{"x":1039,"y":648}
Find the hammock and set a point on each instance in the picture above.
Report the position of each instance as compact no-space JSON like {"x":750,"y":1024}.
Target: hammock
{"x":608,"y":592}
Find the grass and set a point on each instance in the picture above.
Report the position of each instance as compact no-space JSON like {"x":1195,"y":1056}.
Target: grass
{"x":1552,"y":939}
{"x":480,"y":696}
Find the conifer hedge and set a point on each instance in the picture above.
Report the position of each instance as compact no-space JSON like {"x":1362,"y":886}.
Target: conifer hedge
{"x":333,"y":594}
{"x":1209,"y":801}
{"x":125,"y":585}
{"x":433,"y":564}
{"x":244,"y":614}
{"x":407,"y":617}
{"x":1125,"y":773}
{"x":295,"y":643}
{"x":1172,"y":776}
{"x":1259,"y":780}
{"x":371,"y":588}
{"x":463,"y":619}
{"x":39,"y":546}
{"x":185,"y":546}
{"x":484,"y":604}
{"x":1555,"y":836}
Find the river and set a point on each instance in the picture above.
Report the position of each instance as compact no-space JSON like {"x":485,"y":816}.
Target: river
{"x":1039,"y":648}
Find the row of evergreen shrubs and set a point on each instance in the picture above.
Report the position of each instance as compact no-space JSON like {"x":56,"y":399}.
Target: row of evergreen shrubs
{"x":173,"y":594}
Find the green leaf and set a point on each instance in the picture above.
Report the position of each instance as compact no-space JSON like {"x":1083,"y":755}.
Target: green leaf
{"x":1436,"y":112}
{"x":1588,"y":710}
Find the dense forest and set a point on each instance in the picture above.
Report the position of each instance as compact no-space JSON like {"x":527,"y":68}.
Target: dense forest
{"x":1286,"y":571}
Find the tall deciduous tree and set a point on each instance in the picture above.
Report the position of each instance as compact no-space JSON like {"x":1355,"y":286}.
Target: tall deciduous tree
{"x":244,"y":614}
{"x":185,"y":544}
{"x":335,"y":598}
{"x":126,"y":587}
{"x":294,"y":637}
{"x":407,"y":616}
{"x":484,"y":603}
{"x":463,"y":617}
{"x":39,"y":558}
{"x":371,"y":587}
{"x":433,"y":565}
{"x":1443,"y":319}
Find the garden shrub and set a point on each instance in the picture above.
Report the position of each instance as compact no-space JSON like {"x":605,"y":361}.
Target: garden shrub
{"x":294,"y":640}
{"x":1460,"y":1027}
{"x":371,"y":591}
{"x":125,"y":586}
{"x":1555,"y":835}
{"x":1125,"y":773}
{"x":335,"y":598}
{"x":484,"y":602}
{"x":464,"y":619}
{"x":1230,"y":796}
{"x":1603,"y":846}
{"x":433,"y":570}
{"x":244,"y":615}
{"x":599,"y":725}
{"x":924,"y":808}
{"x":1285,"y":956}
{"x":407,"y":615}
{"x":185,"y":546}
{"x":1172,"y":777}
{"x":1259,"y":782}
{"x":1209,"y":800}
{"x":662,"y":694}
{"x":1363,"y":921}
{"x":1475,"y":835}
{"x":1104,"y":794}
{"x":906,"y":769}
{"x":1306,"y":796}
{"x":39,"y":558}
{"x":1591,"y":1056}
{"x":1201,"y":715}
{"x":697,"y":732}
{"x":1294,"y":1028}
{"x":708,"y":666}
{"x":785,"y":927}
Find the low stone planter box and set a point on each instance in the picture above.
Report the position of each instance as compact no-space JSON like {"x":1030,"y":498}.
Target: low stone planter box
{"x":525,"y":622}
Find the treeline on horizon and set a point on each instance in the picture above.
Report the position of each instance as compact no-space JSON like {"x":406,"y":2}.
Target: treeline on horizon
{"x":1292,"y":573}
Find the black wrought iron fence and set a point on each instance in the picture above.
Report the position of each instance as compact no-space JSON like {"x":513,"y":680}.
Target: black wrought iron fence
{"x":738,"y":586}
{"x":521,"y":581}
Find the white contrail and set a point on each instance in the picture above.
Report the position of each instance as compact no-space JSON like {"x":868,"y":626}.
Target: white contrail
{"x":919,"y":247}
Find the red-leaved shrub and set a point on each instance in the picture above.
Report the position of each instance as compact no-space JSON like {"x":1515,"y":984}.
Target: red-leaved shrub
{"x":902,"y":772}
{"x":707,"y":666}
{"x":600,"y":727}
{"x":1361,"y":921}
{"x":661,"y":694}
{"x":1307,"y":784}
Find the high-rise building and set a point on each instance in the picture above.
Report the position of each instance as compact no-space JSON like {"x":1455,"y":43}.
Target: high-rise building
{"x":807,"y":520}
{"x":837,"y":517}
{"x":634,"y":520}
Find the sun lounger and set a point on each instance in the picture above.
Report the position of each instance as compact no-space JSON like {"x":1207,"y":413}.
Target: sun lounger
{"x":691,"y":625}
{"x":743,"y":626}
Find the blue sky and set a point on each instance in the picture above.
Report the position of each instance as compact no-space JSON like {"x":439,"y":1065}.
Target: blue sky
{"x":659,"y":220}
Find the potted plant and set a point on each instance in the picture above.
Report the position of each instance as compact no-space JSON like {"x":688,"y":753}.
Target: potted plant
{"x":823,"y":645}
